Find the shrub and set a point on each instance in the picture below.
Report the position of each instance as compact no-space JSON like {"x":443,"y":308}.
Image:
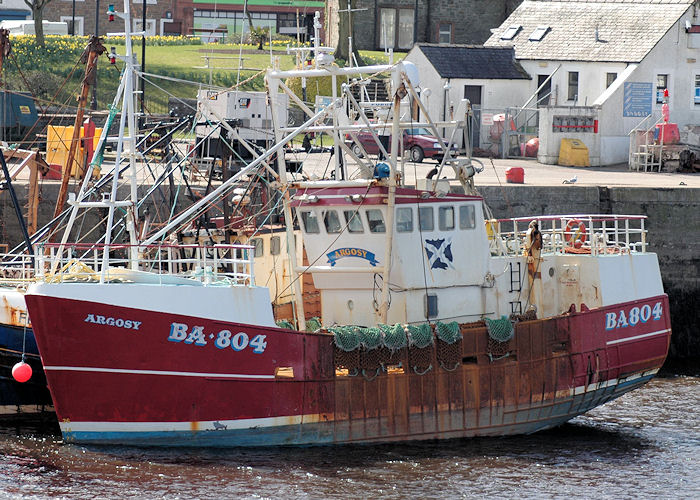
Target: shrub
{"x":320,"y":85}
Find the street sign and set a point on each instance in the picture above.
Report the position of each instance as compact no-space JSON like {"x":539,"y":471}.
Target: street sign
{"x":637,"y":99}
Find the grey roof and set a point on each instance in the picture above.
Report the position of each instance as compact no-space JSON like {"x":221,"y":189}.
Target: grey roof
{"x":627,"y":30}
{"x":474,"y":62}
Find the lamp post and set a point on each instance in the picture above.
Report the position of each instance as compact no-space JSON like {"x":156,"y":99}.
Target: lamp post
{"x":72,"y":23}
{"x":415,"y":22}
{"x":93,"y":102}
{"x":143,"y":62}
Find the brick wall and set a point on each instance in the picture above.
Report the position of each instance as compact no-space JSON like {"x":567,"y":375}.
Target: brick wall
{"x":85,"y":9}
{"x":470,"y":20}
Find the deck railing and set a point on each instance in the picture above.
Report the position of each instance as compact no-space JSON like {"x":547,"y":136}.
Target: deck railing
{"x":15,"y":269}
{"x":212,"y":264}
{"x":583,"y":234}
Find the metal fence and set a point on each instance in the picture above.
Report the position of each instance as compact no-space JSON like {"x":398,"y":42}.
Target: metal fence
{"x":503,"y":132}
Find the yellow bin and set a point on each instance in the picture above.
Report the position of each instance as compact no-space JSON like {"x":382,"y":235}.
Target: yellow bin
{"x":573,"y":153}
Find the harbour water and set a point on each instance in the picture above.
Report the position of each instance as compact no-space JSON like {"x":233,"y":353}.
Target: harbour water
{"x":644,"y":445}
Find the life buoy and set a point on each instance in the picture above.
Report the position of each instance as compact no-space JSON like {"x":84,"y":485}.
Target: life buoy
{"x":575,"y":233}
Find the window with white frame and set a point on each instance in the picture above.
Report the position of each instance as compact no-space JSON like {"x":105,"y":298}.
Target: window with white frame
{"x":150,"y":26}
{"x":387,"y":28}
{"x":696,"y":98}
{"x":396,"y":28}
{"x":405,"y":32}
{"x":73,"y":28}
{"x":445,"y":33}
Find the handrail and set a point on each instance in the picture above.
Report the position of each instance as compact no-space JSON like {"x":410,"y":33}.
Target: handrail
{"x":219,"y":264}
{"x":599,"y":234}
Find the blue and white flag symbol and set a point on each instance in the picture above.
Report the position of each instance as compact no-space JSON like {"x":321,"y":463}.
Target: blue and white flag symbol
{"x":439,"y":253}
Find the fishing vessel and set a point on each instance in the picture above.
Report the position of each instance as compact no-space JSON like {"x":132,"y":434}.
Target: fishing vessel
{"x":437,"y":321}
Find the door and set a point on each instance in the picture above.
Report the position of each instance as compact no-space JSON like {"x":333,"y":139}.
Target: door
{"x":473,"y":93}
{"x":544,"y":93}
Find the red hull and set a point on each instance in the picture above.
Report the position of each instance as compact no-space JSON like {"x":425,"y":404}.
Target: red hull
{"x":105,"y":375}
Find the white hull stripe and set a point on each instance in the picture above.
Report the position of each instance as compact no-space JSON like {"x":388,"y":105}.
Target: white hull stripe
{"x":637,"y":337}
{"x":157,"y":372}
{"x":244,"y":423}
{"x":612,"y":382}
{"x":250,"y":423}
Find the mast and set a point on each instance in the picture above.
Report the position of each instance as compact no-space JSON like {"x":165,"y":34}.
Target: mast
{"x":399,"y":92}
{"x":93,"y":50}
{"x":127,"y":118}
{"x":272,"y":89}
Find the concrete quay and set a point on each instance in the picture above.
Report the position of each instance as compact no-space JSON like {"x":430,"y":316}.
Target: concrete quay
{"x":671,"y":201}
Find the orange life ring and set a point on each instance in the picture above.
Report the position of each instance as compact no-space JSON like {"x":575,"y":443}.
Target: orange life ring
{"x":575,"y":233}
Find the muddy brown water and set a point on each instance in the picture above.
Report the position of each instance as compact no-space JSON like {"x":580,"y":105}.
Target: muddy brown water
{"x":643,"y":445}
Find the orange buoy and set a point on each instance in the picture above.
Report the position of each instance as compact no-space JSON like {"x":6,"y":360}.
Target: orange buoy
{"x":21,"y":372}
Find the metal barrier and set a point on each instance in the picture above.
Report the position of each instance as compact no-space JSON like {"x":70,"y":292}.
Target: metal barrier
{"x":215,"y":264}
{"x":563,"y":234}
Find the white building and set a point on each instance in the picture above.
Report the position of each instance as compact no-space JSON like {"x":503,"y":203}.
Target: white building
{"x":489,"y":77}
{"x":614,"y":56}
{"x":14,"y":9}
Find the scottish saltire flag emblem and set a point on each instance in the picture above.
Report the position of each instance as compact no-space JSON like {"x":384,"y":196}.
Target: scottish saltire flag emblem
{"x":351,"y":252}
{"x":439,"y":253}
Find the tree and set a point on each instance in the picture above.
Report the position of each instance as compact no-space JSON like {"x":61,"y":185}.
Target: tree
{"x":259,"y":36}
{"x":37,"y":7}
{"x":345,"y":27}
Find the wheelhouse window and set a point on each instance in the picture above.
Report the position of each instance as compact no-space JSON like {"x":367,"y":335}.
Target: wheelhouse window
{"x":375,"y":221}
{"x":352,"y":219}
{"x":446,"y":218}
{"x":331,"y":221}
{"x":467,"y":219}
{"x":573,"y":86}
{"x":404,"y":220}
{"x":425,"y":219}
{"x":661,"y":85}
{"x":275,"y":245}
{"x":310,"y":222}
{"x":258,"y":249}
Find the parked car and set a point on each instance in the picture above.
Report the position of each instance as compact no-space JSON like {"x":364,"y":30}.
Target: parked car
{"x":419,"y":142}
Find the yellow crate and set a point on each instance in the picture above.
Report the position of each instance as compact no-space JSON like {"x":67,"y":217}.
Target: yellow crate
{"x":573,"y":153}
{"x":58,"y":141}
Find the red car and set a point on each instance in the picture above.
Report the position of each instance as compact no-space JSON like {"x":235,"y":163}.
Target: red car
{"x":418,"y":141}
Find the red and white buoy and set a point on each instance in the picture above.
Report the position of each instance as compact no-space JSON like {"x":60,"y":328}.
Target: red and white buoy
{"x":21,"y":372}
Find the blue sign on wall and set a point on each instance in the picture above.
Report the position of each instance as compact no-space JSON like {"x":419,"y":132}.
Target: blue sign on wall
{"x":637,"y":99}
